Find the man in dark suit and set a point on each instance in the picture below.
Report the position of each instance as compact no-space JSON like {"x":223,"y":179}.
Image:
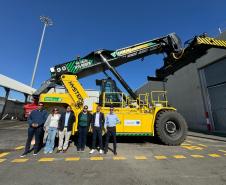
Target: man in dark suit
{"x":97,"y":125}
{"x":66,"y":122}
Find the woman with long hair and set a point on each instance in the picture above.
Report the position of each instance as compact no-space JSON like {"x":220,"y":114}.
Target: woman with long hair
{"x":51,"y":126}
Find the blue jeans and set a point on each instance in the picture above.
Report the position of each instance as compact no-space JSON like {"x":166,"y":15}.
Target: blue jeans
{"x":50,"y":139}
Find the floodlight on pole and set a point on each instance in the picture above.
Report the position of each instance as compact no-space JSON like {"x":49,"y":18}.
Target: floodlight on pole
{"x":47,"y":22}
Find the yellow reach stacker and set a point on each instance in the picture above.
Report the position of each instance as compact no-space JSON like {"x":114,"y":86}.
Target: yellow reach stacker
{"x":140,"y":114}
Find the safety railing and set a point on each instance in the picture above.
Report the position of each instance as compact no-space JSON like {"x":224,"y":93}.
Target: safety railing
{"x":159,"y":98}
{"x":143,"y":100}
{"x":119,"y":99}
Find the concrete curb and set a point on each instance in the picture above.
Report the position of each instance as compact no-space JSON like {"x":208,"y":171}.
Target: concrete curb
{"x":207,"y":136}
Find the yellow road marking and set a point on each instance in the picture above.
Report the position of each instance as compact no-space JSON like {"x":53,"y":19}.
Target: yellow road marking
{"x":197,"y":156}
{"x":179,"y":156}
{"x":19,"y":160}
{"x":2,"y":160}
{"x":214,"y":155}
{"x":192,"y":147}
{"x":72,"y":159}
{"x":140,"y":157}
{"x":4,"y":154}
{"x":119,"y":158}
{"x":203,"y":145}
{"x":96,"y":158}
{"x":160,"y":157}
{"x":188,"y":141}
{"x":19,"y":147}
{"x":46,"y":159}
{"x":224,"y":151}
{"x":185,"y":144}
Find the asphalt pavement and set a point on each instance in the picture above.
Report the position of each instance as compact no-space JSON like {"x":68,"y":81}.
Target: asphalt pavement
{"x":140,"y":161}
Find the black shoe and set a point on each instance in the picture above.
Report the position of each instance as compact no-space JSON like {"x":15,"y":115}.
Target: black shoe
{"x":105,"y":152}
{"x":24,"y":154}
{"x":58,"y":151}
{"x":35,"y":153}
{"x":115,"y":153}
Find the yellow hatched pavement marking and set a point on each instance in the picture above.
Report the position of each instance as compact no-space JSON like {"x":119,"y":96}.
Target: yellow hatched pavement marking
{"x":46,"y":159}
{"x":72,"y":159}
{"x":185,"y":144}
{"x":19,"y":148}
{"x":192,"y":147}
{"x":2,"y":160}
{"x":160,"y":157}
{"x":224,"y":151}
{"x":140,"y":157}
{"x":4,"y":154}
{"x":203,"y":145}
{"x":179,"y":156}
{"x":188,"y":141}
{"x":197,"y":156}
{"x":214,"y":155}
{"x":119,"y":158}
{"x":96,"y":158}
{"x":19,"y":160}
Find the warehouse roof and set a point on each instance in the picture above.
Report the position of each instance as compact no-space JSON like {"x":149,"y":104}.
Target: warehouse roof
{"x":15,"y":85}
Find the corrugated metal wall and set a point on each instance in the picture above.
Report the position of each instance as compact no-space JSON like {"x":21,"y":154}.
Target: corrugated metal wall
{"x":188,"y":92}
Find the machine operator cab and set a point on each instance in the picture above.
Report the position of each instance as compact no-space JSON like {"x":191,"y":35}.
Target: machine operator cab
{"x":109,"y":93}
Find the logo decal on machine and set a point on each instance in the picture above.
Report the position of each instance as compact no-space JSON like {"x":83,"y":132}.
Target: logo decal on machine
{"x":52,"y":99}
{"x":75,"y":90}
{"x":132,"y":122}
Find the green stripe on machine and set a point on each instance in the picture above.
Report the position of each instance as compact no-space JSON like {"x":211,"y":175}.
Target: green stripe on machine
{"x":70,"y":66}
{"x":134,"y":134}
{"x":52,"y":99}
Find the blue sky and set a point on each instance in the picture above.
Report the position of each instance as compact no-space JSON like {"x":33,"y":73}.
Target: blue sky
{"x":82,"y":26}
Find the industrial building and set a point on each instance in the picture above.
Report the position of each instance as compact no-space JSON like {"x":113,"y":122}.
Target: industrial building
{"x":12,"y":108}
{"x":198,"y":91}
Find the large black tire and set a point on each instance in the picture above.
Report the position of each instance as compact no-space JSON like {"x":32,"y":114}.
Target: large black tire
{"x":170,"y":127}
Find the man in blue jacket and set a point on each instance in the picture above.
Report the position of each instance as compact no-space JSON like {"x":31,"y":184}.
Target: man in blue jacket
{"x":36,"y":122}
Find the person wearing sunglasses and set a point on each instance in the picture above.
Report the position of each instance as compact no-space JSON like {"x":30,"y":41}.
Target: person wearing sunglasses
{"x":36,"y":122}
{"x":66,"y":122}
{"x":84,"y":120}
{"x":50,"y":128}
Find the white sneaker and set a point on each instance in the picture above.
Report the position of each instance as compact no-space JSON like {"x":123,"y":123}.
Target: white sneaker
{"x":101,"y":151}
{"x":92,"y":151}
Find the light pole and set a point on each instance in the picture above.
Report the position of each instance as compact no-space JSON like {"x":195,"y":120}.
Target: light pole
{"x":47,"y":22}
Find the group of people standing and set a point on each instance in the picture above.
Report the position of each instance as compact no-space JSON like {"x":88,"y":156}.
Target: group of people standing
{"x":62,"y":124}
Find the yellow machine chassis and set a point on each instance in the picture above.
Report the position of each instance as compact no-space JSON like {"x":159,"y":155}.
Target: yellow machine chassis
{"x":137,"y":117}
